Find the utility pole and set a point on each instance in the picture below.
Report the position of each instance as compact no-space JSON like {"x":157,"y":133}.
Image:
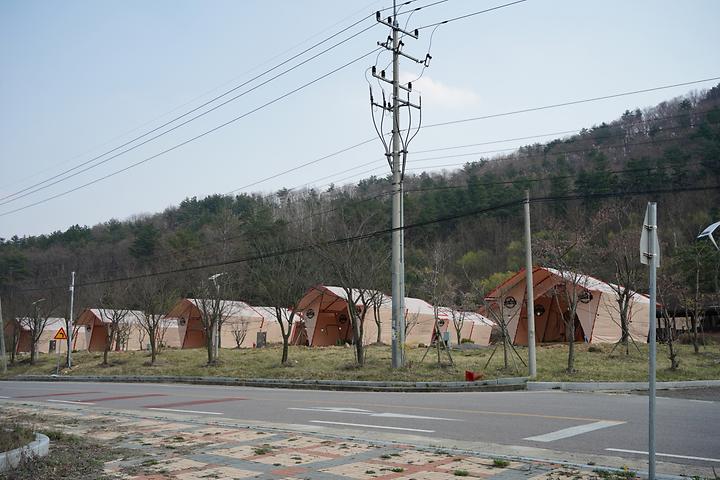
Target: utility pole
{"x":70,"y":321}
{"x":650,"y":256}
{"x":532,"y":368}
{"x":2,"y":341}
{"x":396,"y":153}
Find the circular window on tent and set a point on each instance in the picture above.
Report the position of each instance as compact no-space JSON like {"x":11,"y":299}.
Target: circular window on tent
{"x":342,"y":318}
{"x":310,"y":313}
{"x":510,"y":302}
{"x":585,"y":296}
{"x":539,"y":311}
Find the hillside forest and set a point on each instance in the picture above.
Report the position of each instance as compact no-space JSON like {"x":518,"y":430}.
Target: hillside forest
{"x":463,"y":237}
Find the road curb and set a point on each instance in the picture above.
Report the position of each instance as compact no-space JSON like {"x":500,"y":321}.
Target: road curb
{"x":499,"y":384}
{"x":618,"y":386}
{"x":40,"y":447}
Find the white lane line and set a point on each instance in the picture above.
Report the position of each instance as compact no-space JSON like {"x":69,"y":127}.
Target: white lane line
{"x":71,"y":402}
{"x":572,"y":431}
{"x":664,"y":455}
{"x":358,"y":411}
{"x":373,"y":426}
{"x":3,"y":396}
{"x":184,"y":411}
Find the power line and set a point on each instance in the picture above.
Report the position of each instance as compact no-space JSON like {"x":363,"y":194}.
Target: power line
{"x":355,"y":202}
{"x":507,"y":182}
{"x":227,"y":92}
{"x":20,"y":193}
{"x":382,"y":232}
{"x":192,"y":100}
{"x":176,"y":146}
{"x":485,"y":117}
{"x":573,"y":102}
{"x":471,"y":14}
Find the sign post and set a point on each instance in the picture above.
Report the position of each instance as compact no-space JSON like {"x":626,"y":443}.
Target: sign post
{"x":650,"y":256}
{"x":59,"y":336}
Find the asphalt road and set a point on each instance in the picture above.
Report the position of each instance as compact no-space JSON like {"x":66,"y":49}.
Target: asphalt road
{"x":688,"y":430}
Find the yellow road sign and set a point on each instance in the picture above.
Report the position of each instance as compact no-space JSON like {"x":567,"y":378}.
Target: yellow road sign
{"x":60,"y":335}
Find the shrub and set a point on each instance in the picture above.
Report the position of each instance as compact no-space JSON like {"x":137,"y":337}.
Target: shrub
{"x":466,"y":340}
{"x":500,"y":462}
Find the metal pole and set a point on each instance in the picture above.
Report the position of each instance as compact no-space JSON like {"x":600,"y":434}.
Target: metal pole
{"x":530,"y":294}
{"x":2,"y":341}
{"x":398,"y":274}
{"x":70,"y":322}
{"x":652,"y":263}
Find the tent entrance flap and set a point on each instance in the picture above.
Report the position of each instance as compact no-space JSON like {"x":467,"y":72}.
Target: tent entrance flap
{"x":332,"y":328}
{"x":550,"y":312}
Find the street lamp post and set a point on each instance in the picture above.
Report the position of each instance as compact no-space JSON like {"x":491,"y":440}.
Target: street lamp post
{"x":216,"y":314}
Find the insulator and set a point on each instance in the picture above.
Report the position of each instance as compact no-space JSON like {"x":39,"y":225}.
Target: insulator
{"x":377,"y":16}
{"x":382,"y":73}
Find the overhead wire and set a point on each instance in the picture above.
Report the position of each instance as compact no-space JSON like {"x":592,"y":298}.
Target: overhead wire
{"x":192,"y":139}
{"x":381,"y":232}
{"x":18,"y":196}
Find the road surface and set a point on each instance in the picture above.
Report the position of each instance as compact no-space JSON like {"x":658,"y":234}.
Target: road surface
{"x":688,"y":430}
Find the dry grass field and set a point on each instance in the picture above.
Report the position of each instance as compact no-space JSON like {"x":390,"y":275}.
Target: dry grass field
{"x":593,"y":363}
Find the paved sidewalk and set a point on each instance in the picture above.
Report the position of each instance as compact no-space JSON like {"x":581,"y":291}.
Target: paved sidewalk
{"x":186,"y":448}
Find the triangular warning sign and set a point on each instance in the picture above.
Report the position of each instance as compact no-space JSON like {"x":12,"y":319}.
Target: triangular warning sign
{"x":60,"y":335}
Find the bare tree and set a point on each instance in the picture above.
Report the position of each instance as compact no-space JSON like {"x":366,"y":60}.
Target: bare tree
{"x":214,"y":311}
{"x":668,"y":298}
{"x":565,"y":249}
{"x":239,"y":330}
{"x":622,"y":252}
{"x":40,"y":312}
{"x":462,"y":304}
{"x":357,"y":267}
{"x":153,"y":296}
{"x":281,"y":279}
{"x":113,"y":316}
{"x":439,"y":290}
{"x":377,"y":303}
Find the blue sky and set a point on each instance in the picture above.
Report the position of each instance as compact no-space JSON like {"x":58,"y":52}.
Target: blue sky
{"x":82,"y":77}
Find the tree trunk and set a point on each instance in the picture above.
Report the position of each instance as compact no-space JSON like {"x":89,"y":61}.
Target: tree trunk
{"x":695,"y":319}
{"x":105,"y":355}
{"x":153,"y":350}
{"x":286,"y":348}
{"x":506,"y":342}
{"x":208,"y":345}
{"x":571,"y":347}
{"x":33,"y":352}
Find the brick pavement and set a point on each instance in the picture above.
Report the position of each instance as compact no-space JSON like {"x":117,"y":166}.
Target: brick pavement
{"x":193,"y":450}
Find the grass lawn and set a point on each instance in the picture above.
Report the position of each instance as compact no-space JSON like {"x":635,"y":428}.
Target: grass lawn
{"x":336,"y":363}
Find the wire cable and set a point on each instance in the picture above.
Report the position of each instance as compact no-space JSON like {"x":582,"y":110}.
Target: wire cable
{"x":196,"y":137}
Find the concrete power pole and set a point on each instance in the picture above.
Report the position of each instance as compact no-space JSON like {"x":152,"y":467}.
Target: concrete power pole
{"x":532,"y":368}
{"x":70,"y":322}
{"x":396,"y":152}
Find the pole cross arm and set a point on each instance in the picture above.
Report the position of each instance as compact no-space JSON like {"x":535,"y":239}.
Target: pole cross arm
{"x":404,"y":103}
{"x":386,"y":80}
{"x":389,"y":23}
